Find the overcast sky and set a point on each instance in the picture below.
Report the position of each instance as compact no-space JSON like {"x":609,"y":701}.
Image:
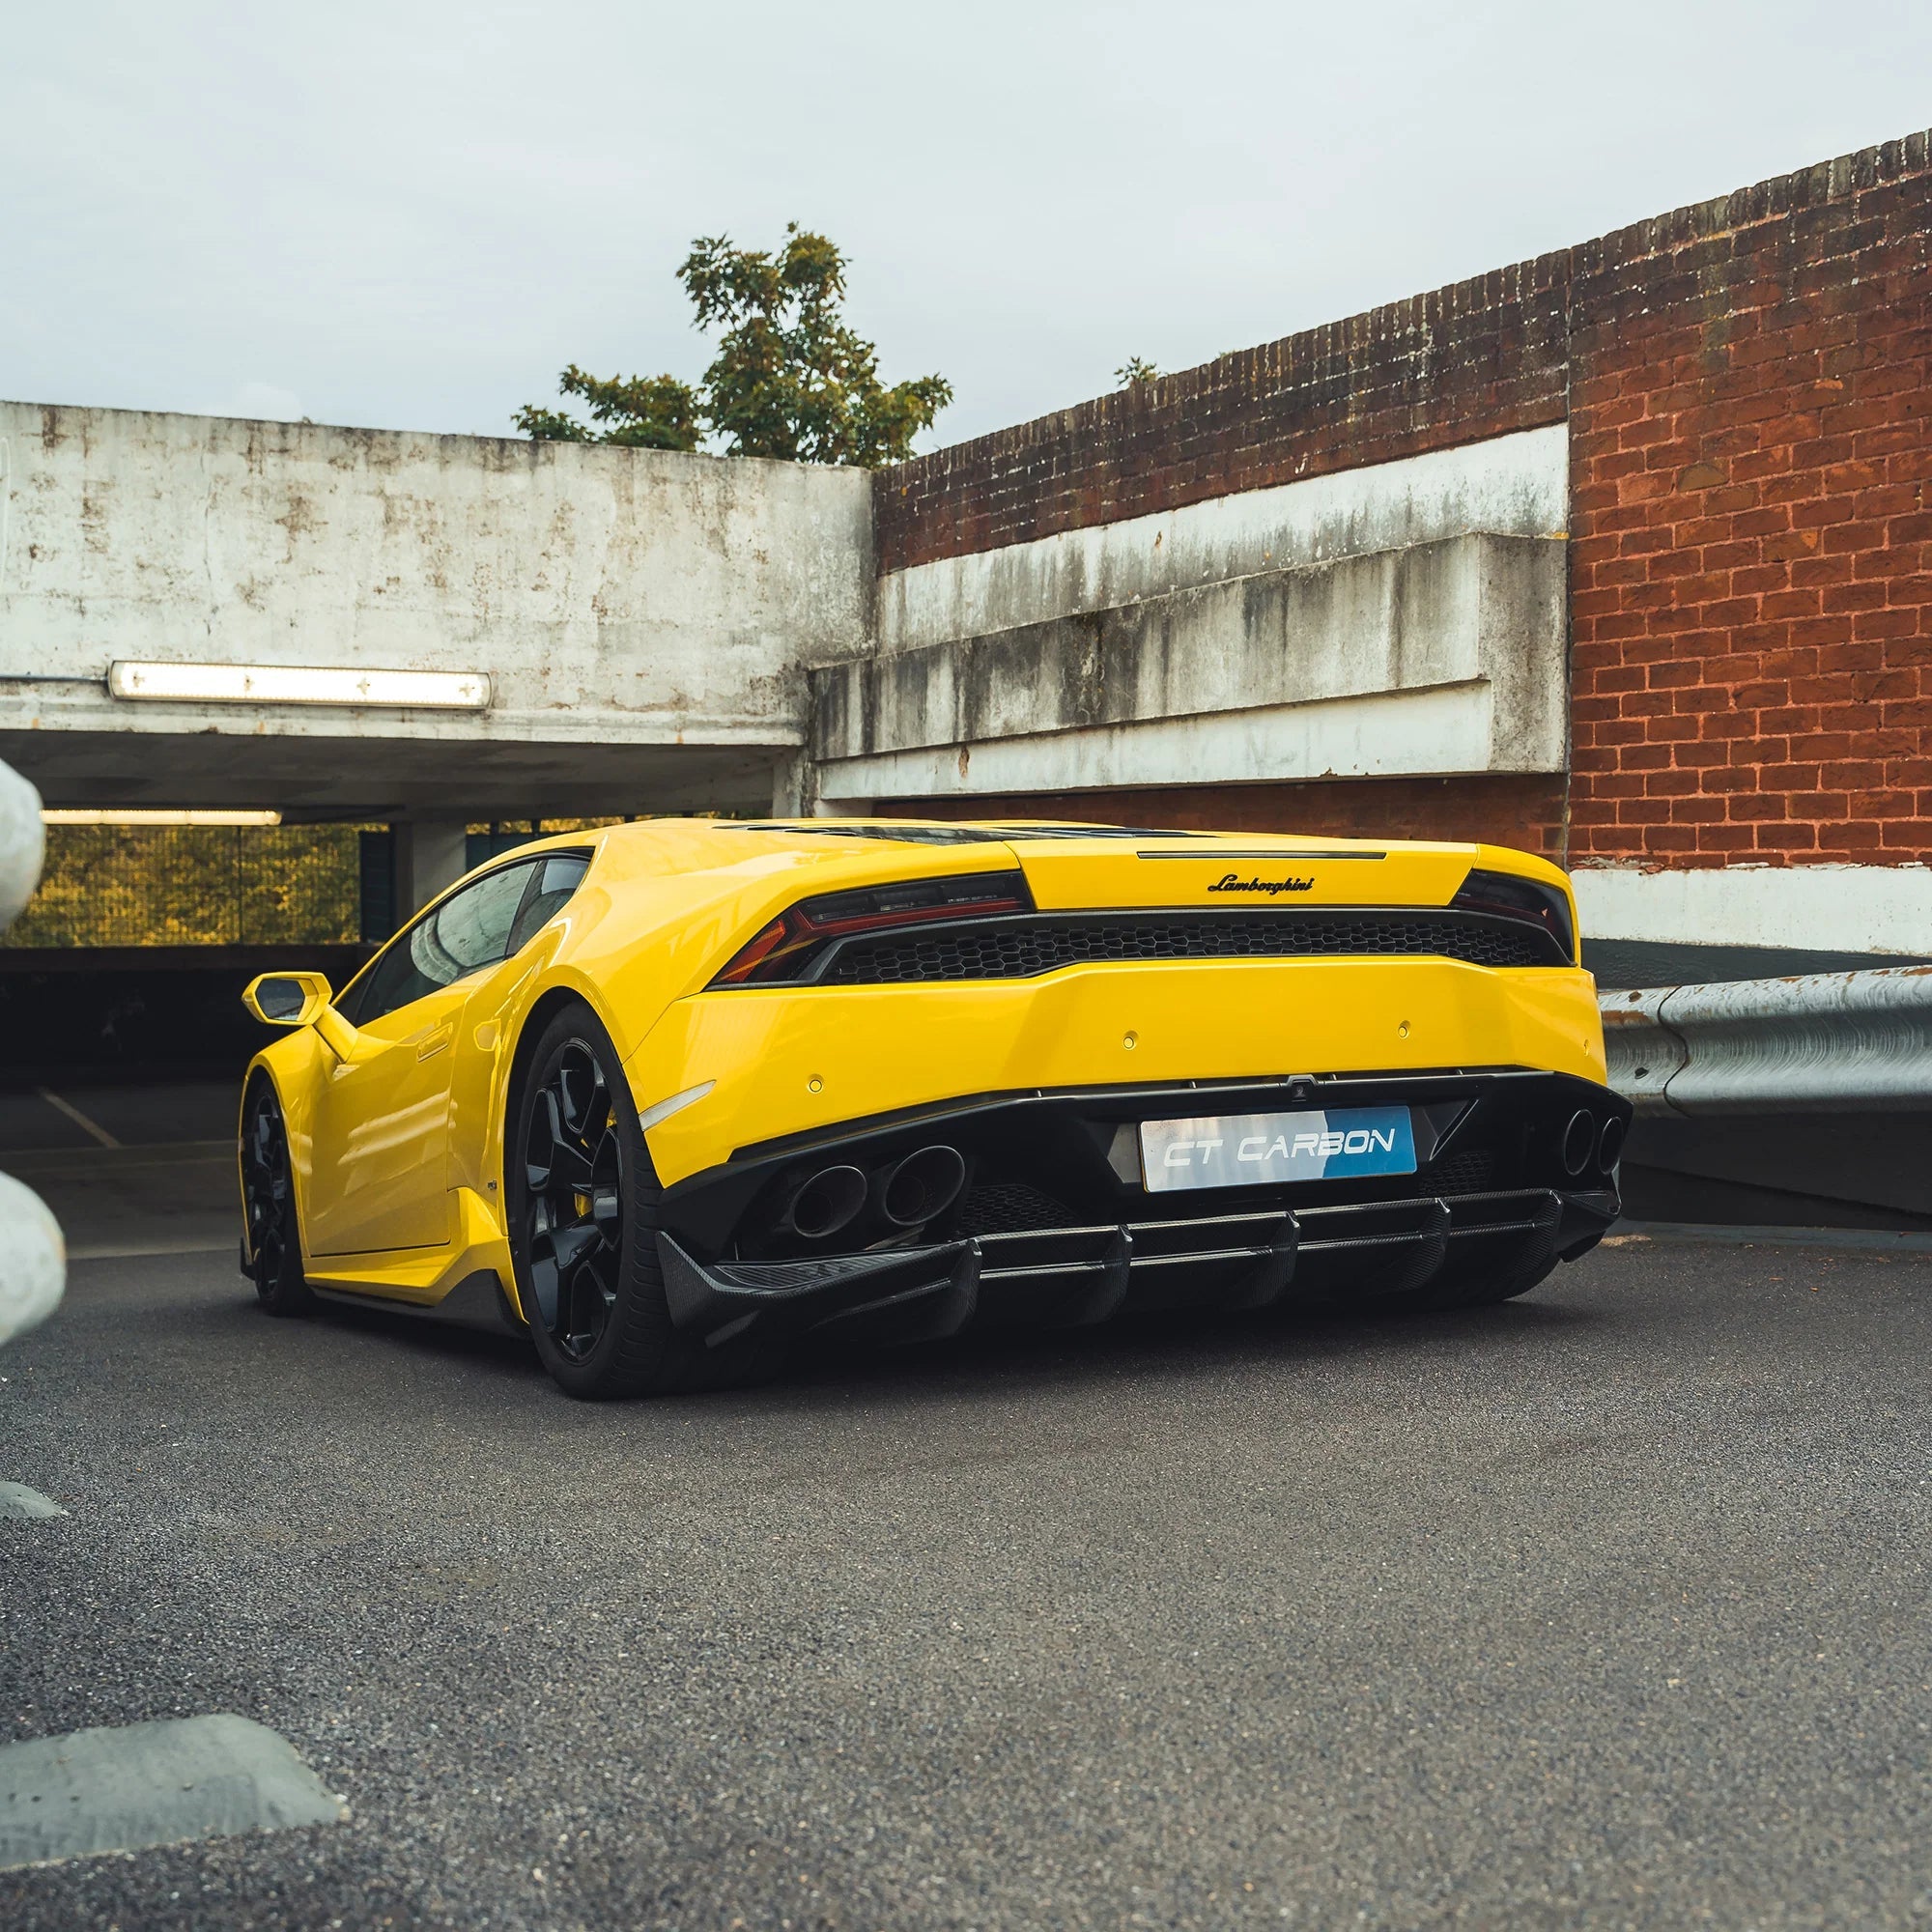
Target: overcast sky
{"x":413,"y":214}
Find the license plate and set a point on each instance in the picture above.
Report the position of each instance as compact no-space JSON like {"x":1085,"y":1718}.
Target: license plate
{"x":1251,"y":1149}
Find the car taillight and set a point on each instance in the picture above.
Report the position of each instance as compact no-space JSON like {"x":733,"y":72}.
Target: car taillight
{"x":1509,"y":896}
{"x":785,"y":951}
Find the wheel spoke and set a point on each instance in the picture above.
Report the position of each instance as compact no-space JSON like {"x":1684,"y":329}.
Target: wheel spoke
{"x":572,"y":1244}
{"x":544,"y":1277}
{"x":590,"y":1300}
{"x":552,"y":1160}
{"x":540,"y":1145}
{"x":585,"y":1097}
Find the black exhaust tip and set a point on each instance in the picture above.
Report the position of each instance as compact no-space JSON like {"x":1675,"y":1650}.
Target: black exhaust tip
{"x":830,"y":1200}
{"x":1610,"y":1146}
{"x":923,"y":1186}
{"x":1579,"y":1139}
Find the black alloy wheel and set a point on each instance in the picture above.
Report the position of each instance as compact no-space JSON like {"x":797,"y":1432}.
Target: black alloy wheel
{"x":268,"y":1202}
{"x":583,"y":1213}
{"x":574,"y":1219}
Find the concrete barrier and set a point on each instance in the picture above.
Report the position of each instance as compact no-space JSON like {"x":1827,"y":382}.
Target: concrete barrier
{"x":33,"y":1257}
{"x":1829,"y":1043}
{"x":22,"y":843}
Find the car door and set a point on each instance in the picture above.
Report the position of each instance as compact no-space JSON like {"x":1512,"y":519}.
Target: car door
{"x":378,"y":1173}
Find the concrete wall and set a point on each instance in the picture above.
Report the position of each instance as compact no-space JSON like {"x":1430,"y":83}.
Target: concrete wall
{"x":626,"y":602}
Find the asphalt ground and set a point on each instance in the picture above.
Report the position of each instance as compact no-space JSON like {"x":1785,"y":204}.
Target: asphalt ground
{"x":78,"y":1114}
{"x":130,"y":1167}
{"x":1607,"y":1607}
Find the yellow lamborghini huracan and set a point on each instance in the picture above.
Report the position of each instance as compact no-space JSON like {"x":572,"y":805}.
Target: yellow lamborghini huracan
{"x":670,"y":1096}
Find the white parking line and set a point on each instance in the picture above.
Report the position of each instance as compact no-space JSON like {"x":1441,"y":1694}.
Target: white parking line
{"x":142,"y":1250}
{"x":160,"y":1783}
{"x":75,"y":1115}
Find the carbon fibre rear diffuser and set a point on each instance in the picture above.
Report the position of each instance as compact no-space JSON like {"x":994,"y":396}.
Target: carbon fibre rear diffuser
{"x":1071,"y":1277}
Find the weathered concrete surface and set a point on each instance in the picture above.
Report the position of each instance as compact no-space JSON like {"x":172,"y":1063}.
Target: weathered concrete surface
{"x":1436,"y":658}
{"x":1855,"y":908}
{"x":647,"y":620}
{"x":430,"y":855}
{"x":33,"y":1259}
{"x":642,"y":614}
{"x":1515,"y":485}
{"x":22,"y":843}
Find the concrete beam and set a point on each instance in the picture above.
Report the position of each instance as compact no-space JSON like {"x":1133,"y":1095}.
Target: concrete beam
{"x":344,"y":775}
{"x":1515,"y":485}
{"x":1445,"y":657}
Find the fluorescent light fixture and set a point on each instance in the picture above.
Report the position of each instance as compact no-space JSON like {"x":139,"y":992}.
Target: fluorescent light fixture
{"x":298,"y":684}
{"x":111,"y":815}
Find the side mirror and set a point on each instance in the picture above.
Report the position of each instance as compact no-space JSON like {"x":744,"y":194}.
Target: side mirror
{"x":288,"y":999}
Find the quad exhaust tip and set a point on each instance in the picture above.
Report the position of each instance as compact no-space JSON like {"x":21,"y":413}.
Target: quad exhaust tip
{"x":1583,"y":1142}
{"x":829,"y":1200}
{"x":923,"y":1186}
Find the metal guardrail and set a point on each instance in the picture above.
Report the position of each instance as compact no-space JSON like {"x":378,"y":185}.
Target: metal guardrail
{"x":33,"y":1257}
{"x":1830,"y":1043}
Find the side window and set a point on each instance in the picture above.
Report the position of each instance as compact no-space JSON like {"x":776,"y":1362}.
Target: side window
{"x":467,"y":931}
{"x":558,"y":878}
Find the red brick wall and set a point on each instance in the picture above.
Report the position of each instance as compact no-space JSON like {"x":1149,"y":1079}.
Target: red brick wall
{"x":1471,"y":361}
{"x":1749,"y":390}
{"x":1751,"y":440}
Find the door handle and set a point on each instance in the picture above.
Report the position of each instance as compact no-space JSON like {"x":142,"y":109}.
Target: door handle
{"x":435,"y":1039}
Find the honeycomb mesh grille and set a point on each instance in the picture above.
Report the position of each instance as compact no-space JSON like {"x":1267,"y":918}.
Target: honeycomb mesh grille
{"x":1006,"y":1207}
{"x":1466,"y":1173}
{"x":1023,"y":949}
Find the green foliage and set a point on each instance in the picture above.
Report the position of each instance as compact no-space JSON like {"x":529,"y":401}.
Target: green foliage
{"x":1134,"y":371}
{"x":789,"y":377}
{"x":644,"y":412}
{"x":193,"y":884}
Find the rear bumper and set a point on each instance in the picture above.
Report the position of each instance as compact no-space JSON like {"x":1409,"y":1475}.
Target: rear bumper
{"x":1052,"y":1230}
{"x":798,"y":1060}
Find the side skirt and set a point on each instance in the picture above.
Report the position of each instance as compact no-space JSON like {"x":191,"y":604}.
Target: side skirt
{"x":477,"y":1301}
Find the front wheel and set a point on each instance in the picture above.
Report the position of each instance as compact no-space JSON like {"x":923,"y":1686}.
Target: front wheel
{"x":582,"y":1202}
{"x":268,"y":1204}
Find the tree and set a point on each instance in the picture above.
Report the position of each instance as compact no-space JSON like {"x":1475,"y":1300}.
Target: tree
{"x":789,"y":377}
{"x":645,"y":411}
{"x":1135,"y":371}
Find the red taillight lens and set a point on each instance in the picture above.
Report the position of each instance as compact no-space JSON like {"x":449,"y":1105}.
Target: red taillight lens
{"x":1507,"y":896}
{"x":786,"y":952}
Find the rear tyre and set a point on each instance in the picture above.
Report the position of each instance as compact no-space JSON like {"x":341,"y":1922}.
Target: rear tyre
{"x":268,"y":1204}
{"x":584,"y":1207}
